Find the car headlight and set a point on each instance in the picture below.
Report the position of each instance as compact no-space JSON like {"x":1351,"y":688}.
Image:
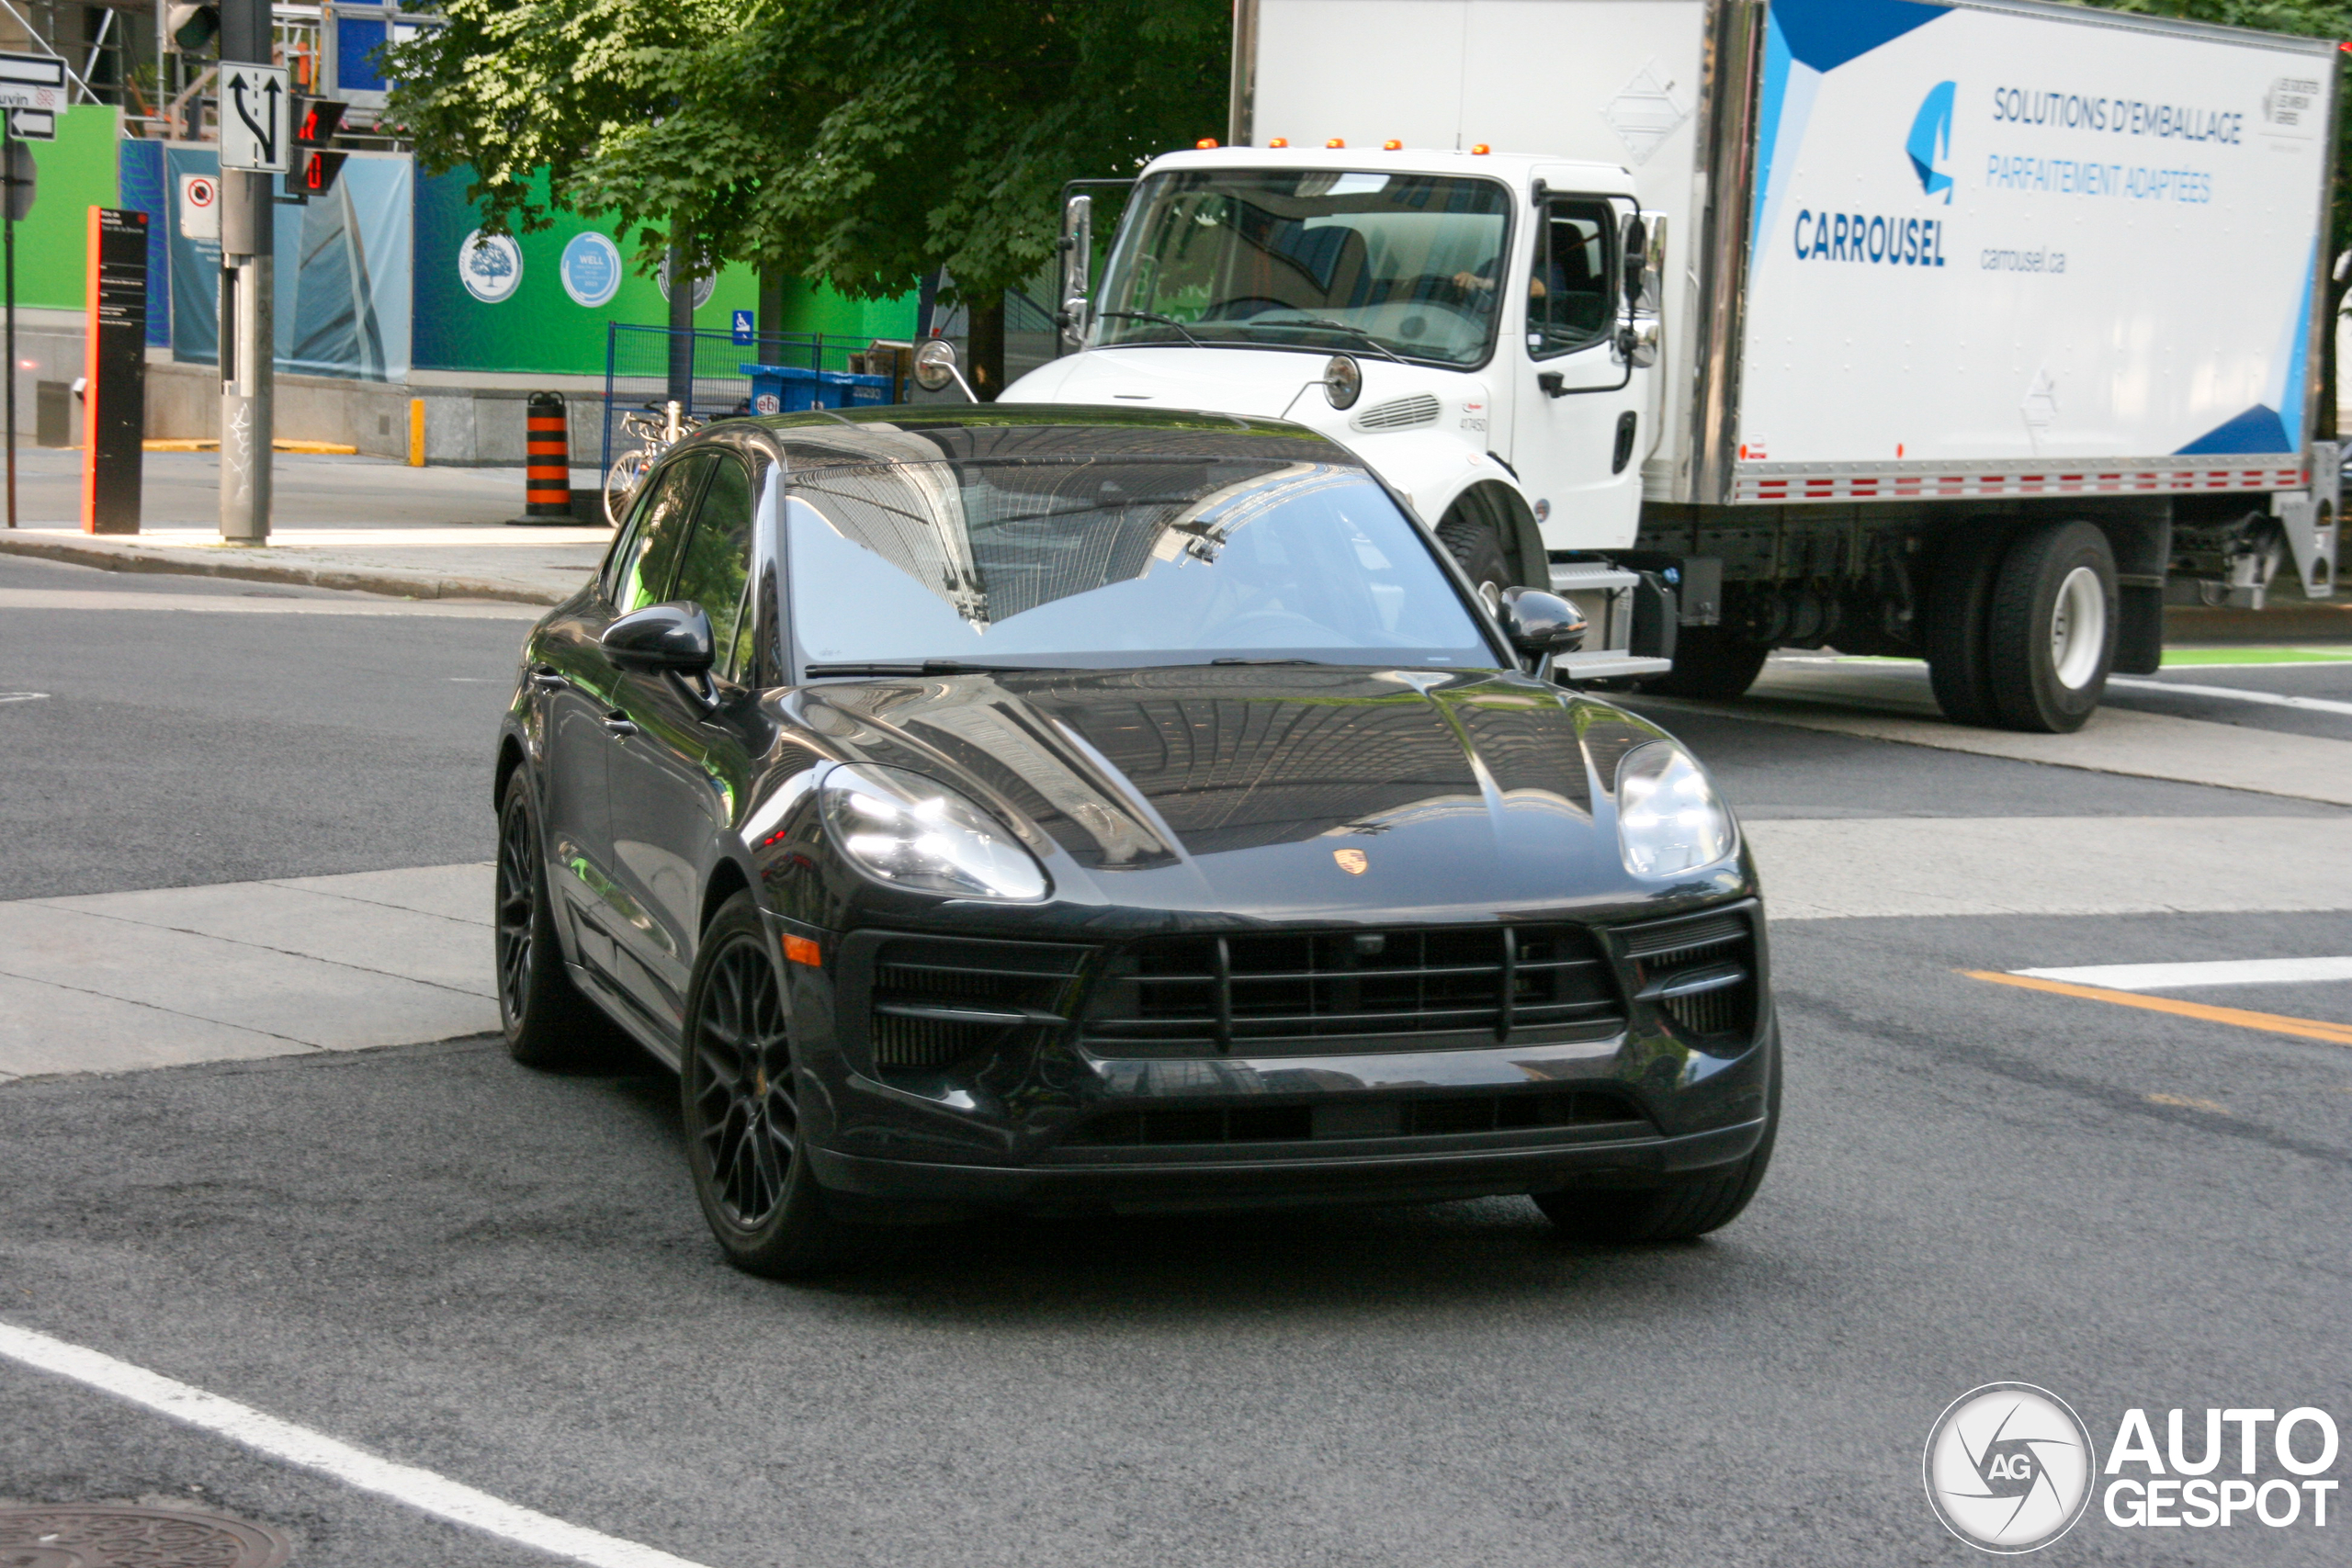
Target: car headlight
{"x":911,"y":831}
{"x":1669,"y":819}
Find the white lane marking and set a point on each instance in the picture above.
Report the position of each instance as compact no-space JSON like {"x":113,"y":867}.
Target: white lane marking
{"x":420,"y":1489}
{"x":2236,"y":694}
{"x":89,"y":600}
{"x":2227,"y":972}
{"x":23,"y":696}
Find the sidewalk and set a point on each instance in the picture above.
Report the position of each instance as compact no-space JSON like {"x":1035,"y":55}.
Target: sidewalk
{"x":340,"y":521}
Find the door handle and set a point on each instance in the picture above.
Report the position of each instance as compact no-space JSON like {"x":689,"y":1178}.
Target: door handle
{"x":618,"y":724}
{"x":545,"y":678}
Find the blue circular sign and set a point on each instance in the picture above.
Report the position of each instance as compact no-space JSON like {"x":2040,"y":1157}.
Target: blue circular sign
{"x":591,"y":270}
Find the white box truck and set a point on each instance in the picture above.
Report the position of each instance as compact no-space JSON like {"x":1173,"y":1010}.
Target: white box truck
{"x":1967,"y":332}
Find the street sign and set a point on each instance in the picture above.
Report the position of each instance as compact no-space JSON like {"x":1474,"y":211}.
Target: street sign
{"x":200,"y":207}
{"x":32,"y":82}
{"x":744,"y":331}
{"x":32,"y":125}
{"x":255,"y":106}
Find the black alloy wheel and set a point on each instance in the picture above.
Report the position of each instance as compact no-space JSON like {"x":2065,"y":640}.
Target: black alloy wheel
{"x":1711,"y":662}
{"x":547,"y":1021}
{"x":1615,"y":1218}
{"x":741,"y":1103}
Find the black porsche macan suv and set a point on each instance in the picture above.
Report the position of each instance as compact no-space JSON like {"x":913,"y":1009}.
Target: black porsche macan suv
{"x":1083,"y":810}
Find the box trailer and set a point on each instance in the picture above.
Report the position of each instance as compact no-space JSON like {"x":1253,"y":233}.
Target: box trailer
{"x":1972,"y":331}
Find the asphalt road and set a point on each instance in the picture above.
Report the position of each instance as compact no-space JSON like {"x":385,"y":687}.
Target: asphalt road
{"x":501,"y":1275}
{"x":177,"y":748}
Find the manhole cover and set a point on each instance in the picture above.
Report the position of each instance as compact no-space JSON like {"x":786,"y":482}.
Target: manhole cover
{"x":133,"y":1538}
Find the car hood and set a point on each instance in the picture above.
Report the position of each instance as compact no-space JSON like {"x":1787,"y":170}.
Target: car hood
{"x":1273,"y":791}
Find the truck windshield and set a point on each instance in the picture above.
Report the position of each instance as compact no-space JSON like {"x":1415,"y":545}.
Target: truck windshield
{"x":1108,"y":564}
{"x":1310,"y":258}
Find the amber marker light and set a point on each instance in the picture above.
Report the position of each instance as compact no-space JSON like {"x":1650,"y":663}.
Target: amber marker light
{"x":1392,"y":145}
{"x":1206,"y":142}
{"x":1279,"y":141}
{"x":801,"y":950}
{"x":1336,"y":142}
{"x":1479,"y":150}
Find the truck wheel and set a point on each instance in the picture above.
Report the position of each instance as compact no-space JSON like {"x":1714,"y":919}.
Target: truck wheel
{"x":1958,"y":598}
{"x":1710,"y":661}
{"x":1478,"y":549}
{"x":2049,"y":634}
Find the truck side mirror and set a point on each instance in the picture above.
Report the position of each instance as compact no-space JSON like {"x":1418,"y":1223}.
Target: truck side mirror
{"x":1077,"y":263}
{"x":1637,"y":255}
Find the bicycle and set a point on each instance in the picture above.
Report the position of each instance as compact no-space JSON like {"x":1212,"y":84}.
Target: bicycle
{"x":656,"y":432}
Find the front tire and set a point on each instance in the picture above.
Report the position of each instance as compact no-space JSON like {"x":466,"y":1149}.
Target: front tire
{"x":548,"y":1023}
{"x":741,"y":1101}
{"x":1710,"y":662}
{"x":1477,"y":549}
{"x":1618,"y":1217}
{"x":2050,"y":632}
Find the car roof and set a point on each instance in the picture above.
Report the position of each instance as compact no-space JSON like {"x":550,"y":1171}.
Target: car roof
{"x":1019,"y":433}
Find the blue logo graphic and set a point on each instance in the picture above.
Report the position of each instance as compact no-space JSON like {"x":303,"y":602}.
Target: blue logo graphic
{"x":591,"y":270}
{"x":744,"y":329}
{"x":1931,"y":140}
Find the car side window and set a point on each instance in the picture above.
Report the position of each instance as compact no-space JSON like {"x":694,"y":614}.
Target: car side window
{"x":717,"y":560}
{"x":1568,"y":293}
{"x":647,"y":564}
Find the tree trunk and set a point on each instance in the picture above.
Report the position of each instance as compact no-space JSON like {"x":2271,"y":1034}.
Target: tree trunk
{"x":682,"y":327}
{"x":985,"y":314}
{"x":771,"y":317}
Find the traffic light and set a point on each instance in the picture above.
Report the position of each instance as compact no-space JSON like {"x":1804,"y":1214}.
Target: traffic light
{"x":22,"y":176}
{"x":316,"y":123}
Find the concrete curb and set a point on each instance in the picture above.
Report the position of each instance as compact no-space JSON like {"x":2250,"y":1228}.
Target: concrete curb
{"x":397,"y":584}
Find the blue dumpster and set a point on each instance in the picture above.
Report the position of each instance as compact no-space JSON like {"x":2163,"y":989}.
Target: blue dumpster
{"x":793,"y":389}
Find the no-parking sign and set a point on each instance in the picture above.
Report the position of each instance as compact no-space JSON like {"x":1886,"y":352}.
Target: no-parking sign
{"x":200,"y":207}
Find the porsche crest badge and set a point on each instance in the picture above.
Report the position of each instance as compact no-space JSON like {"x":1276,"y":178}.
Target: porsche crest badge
{"x":1353,"y":861}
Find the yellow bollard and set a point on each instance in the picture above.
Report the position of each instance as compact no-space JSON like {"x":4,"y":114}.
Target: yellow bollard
{"x":416,"y":432}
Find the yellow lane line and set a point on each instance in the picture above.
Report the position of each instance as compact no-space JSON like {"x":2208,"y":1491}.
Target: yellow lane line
{"x":2272,"y":1022}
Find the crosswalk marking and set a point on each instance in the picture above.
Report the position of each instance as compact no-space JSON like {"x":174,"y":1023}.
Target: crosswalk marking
{"x":2175,"y":976}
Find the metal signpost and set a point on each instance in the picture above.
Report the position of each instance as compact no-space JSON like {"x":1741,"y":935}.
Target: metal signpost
{"x":32,"y":93}
{"x":256,"y":104}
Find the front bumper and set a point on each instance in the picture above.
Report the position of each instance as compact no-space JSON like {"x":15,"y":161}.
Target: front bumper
{"x":1275,"y":1176}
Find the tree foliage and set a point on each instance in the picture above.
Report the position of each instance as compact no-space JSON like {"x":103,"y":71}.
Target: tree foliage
{"x":865,"y":143}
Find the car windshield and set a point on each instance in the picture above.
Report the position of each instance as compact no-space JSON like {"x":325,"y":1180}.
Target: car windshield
{"x":1101,"y":564}
{"x":1316,"y":258}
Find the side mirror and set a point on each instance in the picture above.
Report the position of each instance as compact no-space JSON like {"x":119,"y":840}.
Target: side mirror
{"x":1637,"y":256}
{"x":674,"y":637}
{"x":1538,"y":622}
{"x":935,"y":367}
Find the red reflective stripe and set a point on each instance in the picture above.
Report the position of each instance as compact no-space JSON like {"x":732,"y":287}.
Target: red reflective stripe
{"x":538,"y":422}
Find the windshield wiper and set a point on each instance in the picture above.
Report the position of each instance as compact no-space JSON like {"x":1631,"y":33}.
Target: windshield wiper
{"x":1153,"y":316}
{"x":1238,"y":660}
{"x":1306,"y":321}
{"x":922,"y":667}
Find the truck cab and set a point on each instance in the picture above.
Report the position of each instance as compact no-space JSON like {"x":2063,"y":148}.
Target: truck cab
{"x":1483,"y":330}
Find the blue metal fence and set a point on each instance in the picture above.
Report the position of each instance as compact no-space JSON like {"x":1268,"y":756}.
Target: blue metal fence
{"x":636,"y":371}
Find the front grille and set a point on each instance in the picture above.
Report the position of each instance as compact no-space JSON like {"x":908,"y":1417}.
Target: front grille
{"x":1418,"y":1116}
{"x":937,"y":1001}
{"x":1316,"y":992}
{"x":1701,"y":970}
{"x":1399,"y":413}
